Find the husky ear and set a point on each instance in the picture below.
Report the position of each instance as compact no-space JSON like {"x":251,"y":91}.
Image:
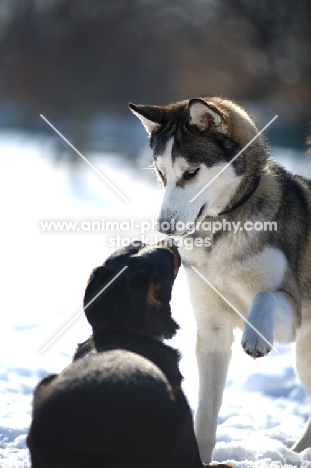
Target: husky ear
{"x":205,"y":117}
{"x":150,"y":116}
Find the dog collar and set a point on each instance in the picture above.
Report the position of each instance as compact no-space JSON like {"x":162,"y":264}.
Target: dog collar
{"x":244,"y":199}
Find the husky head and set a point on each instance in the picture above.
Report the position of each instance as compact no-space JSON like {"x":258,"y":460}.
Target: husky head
{"x":193,"y":143}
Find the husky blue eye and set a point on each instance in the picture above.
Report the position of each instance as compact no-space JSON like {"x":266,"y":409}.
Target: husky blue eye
{"x":190,"y":174}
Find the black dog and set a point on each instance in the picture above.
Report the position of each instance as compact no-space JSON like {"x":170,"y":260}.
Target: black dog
{"x":120,"y":403}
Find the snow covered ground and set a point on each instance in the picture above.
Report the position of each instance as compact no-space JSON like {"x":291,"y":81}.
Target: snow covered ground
{"x":43,"y":275}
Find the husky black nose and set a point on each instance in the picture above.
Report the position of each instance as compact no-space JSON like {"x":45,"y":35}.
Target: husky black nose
{"x":166,"y":227}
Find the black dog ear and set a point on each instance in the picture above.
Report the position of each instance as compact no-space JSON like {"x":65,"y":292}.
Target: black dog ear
{"x":143,"y":297}
{"x":94,"y":297}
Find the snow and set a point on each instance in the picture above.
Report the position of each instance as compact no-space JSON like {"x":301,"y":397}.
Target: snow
{"x":44,"y":274}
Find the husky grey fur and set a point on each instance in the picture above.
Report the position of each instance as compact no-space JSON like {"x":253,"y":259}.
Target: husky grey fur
{"x":263,"y":274}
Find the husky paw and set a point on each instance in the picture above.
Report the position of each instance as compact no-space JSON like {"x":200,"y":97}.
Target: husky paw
{"x":257,"y":339}
{"x":254,"y":344}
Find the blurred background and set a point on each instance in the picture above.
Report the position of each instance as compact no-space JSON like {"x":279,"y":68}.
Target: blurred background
{"x":79,"y":63}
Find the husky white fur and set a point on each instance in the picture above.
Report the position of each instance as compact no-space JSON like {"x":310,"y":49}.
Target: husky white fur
{"x":264,"y":274}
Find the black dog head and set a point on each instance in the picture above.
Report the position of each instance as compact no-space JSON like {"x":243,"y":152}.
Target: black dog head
{"x":138,"y":299}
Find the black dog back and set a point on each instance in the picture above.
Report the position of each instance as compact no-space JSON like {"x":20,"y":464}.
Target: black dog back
{"x":118,"y":407}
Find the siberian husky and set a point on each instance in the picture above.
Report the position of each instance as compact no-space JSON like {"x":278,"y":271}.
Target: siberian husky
{"x":263,"y":275}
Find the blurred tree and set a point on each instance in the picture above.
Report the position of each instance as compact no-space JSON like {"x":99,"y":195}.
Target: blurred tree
{"x":74,"y":58}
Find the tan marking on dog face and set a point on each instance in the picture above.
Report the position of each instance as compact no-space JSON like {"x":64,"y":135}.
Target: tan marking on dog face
{"x":151,"y":299}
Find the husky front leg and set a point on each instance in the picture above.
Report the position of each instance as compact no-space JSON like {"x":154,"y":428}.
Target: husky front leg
{"x":213,"y":362}
{"x":215,"y":322}
{"x":303,"y":353}
{"x":271,"y":314}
